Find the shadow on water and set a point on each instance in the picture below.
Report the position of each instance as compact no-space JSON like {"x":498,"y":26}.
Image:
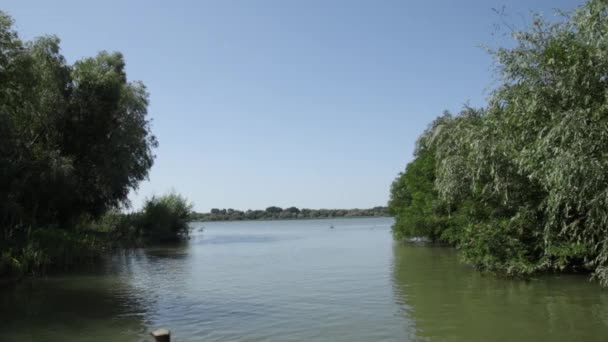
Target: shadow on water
{"x":111,"y":301}
{"x":60,"y":308}
{"x":448,"y":301}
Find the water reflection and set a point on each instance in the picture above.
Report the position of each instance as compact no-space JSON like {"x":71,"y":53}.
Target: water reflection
{"x":43,"y":310}
{"x":119,"y":300}
{"x":303,"y":283}
{"x":448,"y":301}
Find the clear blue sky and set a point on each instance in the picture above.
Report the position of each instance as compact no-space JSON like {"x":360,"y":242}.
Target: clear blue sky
{"x":311,"y":103}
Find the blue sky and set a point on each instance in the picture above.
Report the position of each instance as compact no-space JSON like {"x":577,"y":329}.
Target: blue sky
{"x":311,"y":103}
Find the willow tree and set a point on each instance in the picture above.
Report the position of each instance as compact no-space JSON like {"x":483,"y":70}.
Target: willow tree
{"x":555,"y":97}
{"x":493,"y":206}
{"x":525,"y":180}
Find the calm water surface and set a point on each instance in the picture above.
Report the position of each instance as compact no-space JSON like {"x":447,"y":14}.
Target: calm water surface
{"x":300,"y":281}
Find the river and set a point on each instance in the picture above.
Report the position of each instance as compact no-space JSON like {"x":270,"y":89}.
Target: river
{"x":299,"y":281}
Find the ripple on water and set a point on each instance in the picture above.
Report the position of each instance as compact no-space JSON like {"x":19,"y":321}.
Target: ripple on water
{"x":299,"y":281}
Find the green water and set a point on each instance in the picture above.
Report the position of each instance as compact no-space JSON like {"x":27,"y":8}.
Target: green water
{"x":300,"y":281}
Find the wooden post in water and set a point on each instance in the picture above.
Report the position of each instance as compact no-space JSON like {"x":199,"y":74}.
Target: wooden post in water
{"x":162,"y":335}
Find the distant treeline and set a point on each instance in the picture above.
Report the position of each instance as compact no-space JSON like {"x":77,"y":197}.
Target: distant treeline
{"x":277,"y":213}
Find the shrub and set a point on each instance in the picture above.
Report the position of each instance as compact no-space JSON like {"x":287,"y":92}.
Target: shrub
{"x":165,"y":218}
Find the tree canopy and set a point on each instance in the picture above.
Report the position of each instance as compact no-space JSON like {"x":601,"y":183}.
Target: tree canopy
{"x":75,"y":141}
{"x":523,"y":181}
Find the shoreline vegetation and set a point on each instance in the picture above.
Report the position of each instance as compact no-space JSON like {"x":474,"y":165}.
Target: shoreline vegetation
{"x":520,"y":186}
{"x":76,"y":139}
{"x":291,"y":213}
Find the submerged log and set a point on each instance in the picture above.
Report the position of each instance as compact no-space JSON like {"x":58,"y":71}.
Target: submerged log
{"x":162,"y":335}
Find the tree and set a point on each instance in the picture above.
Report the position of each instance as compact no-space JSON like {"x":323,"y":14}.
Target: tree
{"x":75,"y":138}
{"x":414,"y":201}
{"x":274,"y":210}
{"x":524,"y":180}
{"x":293,"y":210}
{"x":78,"y":139}
{"x":554,"y":99}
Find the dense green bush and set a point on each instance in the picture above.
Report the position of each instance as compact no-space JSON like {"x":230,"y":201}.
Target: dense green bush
{"x":165,"y":218}
{"x":414,"y":202}
{"x":161,"y":219}
{"x":524,"y":181}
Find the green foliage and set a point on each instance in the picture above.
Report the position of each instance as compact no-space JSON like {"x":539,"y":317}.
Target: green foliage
{"x":414,"y":202}
{"x":118,"y":229}
{"x":75,"y":141}
{"x":524,"y":180}
{"x":77,"y":138}
{"x":165,"y":218}
{"x":162,"y":219}
{"x":291,"y":213}
{"x":50,"y":249}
